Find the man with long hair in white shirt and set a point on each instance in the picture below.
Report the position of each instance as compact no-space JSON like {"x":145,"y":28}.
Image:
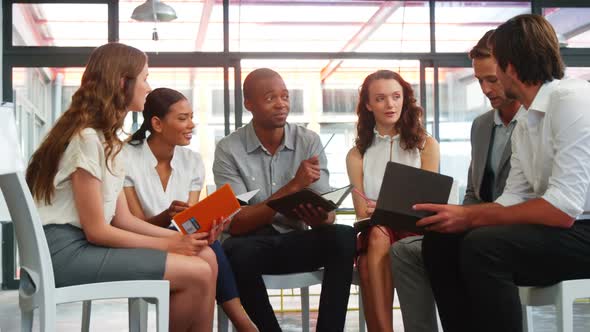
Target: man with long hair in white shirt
{"x":537,"y":232}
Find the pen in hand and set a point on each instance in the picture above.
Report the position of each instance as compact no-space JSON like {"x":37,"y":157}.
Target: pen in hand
{"x":325,"y":145}
{"x":360,"y":193}
{"x":371,"y":204}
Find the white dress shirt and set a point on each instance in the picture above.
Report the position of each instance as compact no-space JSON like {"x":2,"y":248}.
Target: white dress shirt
{"x":551,"y":149}
{"x":86,"y":151}
{"x":188,"y":174}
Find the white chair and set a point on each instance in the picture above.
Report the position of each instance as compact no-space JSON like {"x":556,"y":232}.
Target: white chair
{"x":294,"y":280}
{"x":562,"y":295}
{"x":37,"y":285}
{"x":283,"y":281}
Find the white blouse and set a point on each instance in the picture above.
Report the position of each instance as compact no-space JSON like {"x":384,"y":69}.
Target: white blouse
{"x":382,"y":150}
{"x":86,"y":151}
{"x":188,"y":174}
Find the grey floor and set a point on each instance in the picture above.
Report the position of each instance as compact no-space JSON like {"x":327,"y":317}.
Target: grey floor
{"x":112,"y":315}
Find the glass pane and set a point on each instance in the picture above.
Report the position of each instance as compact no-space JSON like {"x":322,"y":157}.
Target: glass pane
{"x":328,"y":100}
{"x":582,"y":73}
{"x":334,"y":26}
{"x":461,"y":101}
{"x":34,"y":117}
{"x":198,"y":27}
{"x":32,"y":88}
{"x":54,"y":25}
{"x":571,"y":25}
{"x":460,"y":24}
{"x":429,"y":107}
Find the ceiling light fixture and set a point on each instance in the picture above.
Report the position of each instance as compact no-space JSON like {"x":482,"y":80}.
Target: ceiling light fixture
{"x":154,"y":11}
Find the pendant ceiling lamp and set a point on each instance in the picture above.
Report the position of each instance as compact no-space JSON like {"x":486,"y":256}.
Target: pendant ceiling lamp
{"x":154,"y":11}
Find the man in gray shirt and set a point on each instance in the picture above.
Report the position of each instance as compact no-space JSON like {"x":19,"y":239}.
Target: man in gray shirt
{"x":488,"y":170}
{"x":279,"y":159}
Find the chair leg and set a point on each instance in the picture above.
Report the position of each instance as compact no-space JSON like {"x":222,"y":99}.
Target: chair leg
{"x":162,"y":313}
{"x":222,"y":320}
{"x":137,"y":315}
{"x":305,"y":309}
{"x":26,"y":320}
{"x":527,"y":319}
{"x":86,"y":310}
{"x":47,"y":317}
{"x":564,"y":312}
{"x":361,"y":312}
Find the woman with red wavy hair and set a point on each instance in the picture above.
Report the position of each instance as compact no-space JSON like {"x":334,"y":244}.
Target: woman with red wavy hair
{"x":389,"y":128}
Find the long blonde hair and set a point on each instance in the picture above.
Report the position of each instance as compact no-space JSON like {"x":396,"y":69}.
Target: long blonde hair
{"x":100,"y":103}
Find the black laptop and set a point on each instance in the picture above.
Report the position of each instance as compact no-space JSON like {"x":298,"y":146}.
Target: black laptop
{"x":402,"y":187}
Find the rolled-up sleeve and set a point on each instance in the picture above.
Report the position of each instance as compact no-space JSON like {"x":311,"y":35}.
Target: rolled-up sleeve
{"x":568,"y":184}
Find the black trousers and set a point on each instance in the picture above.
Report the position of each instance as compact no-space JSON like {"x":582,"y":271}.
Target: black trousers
{"x":269,"y":252}
{"x":474,"y":275}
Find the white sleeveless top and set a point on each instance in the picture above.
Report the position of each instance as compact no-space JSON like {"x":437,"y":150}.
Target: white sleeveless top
{"x":382,"y":150}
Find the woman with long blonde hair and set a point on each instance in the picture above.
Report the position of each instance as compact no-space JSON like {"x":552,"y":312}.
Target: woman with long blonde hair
{"x":76,"y":177}
{"x":389,"y":128}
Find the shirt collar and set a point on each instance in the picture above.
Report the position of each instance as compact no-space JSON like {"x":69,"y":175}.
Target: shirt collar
{"x":148,"y":154}
{"x":498,"y":121}
{"x":541,"y":101}
{"x":253,"y":142}
{"x":387,"y":137}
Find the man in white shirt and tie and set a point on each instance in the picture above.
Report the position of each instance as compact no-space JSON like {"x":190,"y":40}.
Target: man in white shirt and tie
{"x":537,"y":232}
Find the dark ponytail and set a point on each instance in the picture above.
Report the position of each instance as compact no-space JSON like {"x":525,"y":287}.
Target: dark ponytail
{"x":140,"y":134}
{"x":157,"y":103}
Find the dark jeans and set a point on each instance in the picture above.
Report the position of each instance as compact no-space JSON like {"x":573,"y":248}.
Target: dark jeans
{"x":226,"y":283}
{"x":268,"y":252}
{"x":474,"y":275}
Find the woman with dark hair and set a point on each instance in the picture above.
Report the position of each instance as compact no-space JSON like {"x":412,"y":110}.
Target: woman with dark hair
{"x":164,"y":178}
{"x":389,"y":128}
{"x":76,"y":177}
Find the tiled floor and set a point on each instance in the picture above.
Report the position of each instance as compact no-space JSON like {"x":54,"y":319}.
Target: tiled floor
{"x":112,"y":315}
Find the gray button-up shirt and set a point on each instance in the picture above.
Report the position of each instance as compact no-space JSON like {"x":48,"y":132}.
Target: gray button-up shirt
{"x":243,"y":162}
{"x":501,"y":137}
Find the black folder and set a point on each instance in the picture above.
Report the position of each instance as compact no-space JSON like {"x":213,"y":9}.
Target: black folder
{"x":402,"y":187}
{"x":328,"y":201}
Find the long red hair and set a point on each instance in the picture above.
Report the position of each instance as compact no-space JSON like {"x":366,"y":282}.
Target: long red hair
{"x":409,"y":125}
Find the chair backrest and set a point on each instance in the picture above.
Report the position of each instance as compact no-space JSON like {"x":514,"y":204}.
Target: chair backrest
{"x":36,"y":276}
{"x":35,"y":261}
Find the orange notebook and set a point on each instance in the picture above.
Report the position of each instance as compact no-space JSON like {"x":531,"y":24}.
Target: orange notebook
{"x":200,"y":217}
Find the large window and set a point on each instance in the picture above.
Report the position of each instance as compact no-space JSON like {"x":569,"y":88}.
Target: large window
{"x":571,"y":24}
{"x":46,"y":24}
{"x":323,"y":50}
{"x":329,"y":26}
{"x":460,"y":101}
{"x":460,"y":24}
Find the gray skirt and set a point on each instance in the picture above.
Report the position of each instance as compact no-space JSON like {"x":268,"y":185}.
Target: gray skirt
{"x":76,"y":261}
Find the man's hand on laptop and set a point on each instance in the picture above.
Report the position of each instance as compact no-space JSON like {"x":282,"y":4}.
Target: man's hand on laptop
{"x":312,"y":216}
{"x":447,"y":218}
{"x":307,"y":173}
